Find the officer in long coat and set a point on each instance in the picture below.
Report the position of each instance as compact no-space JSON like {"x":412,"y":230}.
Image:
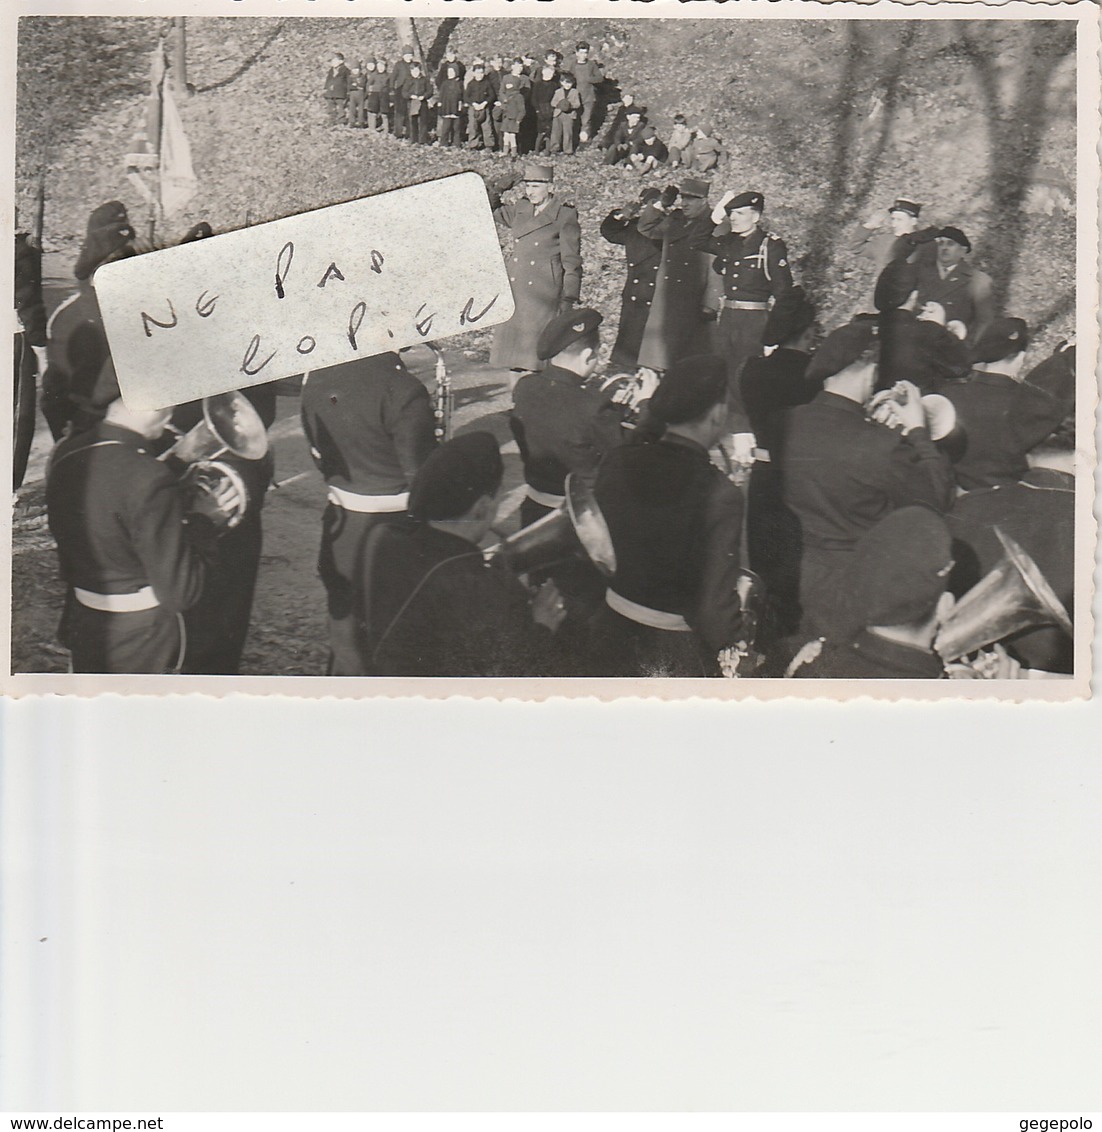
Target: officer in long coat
{"x":676,"y":326}
{"x":545,"y":267}
{"x":643,"y":256}
{"x":370,"y":426}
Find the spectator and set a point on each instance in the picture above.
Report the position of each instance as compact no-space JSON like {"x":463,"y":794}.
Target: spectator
{"x":544,"y":87}
{"x":648,"y":152}
{"x":378,"y":96}
{"x":399,"y":93}
{"x":357,"y":88}
{"x":420,"y":93}
{"x":588,"y":74}
{"x":963,"y":290}
{"x":336,"y":89}
{"x":479,"y":98}
{"x":495,"y":72}
{"x":707,"y":150}
{"x":624,"y":135}
{"x":681,"y":138}
{"x":450,"y":104}
{"x":514,"y":105}
{"x":565,"y":107}
{"x":451,"y":59}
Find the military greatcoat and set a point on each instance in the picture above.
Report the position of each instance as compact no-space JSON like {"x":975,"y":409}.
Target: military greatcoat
{"x":545,"y":268}
{"x":643,"y":256}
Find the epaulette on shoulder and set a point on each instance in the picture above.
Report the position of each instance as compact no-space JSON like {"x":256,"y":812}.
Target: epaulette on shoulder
{"x":772,"y":236}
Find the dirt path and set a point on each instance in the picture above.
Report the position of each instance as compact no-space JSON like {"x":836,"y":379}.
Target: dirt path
{"x":287,"y":635}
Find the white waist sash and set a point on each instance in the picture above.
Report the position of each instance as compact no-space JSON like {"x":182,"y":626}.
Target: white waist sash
{"x":642,"y":615}
{"x":544,"y":498}
{"x":368,"y":504}
{"x":144,"y":598}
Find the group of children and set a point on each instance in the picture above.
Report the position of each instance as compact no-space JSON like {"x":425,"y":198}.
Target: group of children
{"x":513,"y":107}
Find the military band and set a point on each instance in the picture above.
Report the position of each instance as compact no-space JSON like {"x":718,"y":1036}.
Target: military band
{"x":889,"y":464}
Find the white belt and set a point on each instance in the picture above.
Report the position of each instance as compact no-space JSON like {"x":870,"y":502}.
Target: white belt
{"x":642,"y":615}
{"x":144,"y":598}
{"x":741,"y":305}
{"x":368,"y":504}
{"x":544,"y":498}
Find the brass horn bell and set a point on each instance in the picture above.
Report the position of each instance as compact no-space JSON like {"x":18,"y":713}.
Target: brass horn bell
{"x":576,"y":529}
{"x":1012,"y":597}
{"x":229,"y":424}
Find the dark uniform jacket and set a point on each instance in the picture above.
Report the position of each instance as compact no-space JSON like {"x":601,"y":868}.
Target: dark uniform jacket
{"x":844,"y":473}
{"x":868,"y":657}
{"x":545,"y":267}
{"x":369,"y":423}
{"x":770,"y":387}
{"x":116,"y":514}
{"x":76,"y":348}
{"x":675,"y":522}
{"x":28,"y":290}
{"x":479,"y":91}
{"x":643,"y":257}
{"x":336,"y":83}
{"x":450,"y":98}
{"x":912,"y":349}
{"x":676,"y":323}
{"x":563,"y":427}
{"x":442,"y":72}
{"x":965,"y":293}
{"x":754,"y":267}
{"x":543,"y":90}
{"x":434,"y":607}
{"x":1000,"y":420}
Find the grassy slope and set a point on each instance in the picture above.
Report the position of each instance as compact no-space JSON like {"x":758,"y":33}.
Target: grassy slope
{"x":261,"y":148}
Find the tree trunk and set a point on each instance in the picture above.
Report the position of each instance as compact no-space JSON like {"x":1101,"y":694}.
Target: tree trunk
{"x":407,"y":36}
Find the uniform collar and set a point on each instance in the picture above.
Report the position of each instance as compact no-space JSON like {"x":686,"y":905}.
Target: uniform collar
{"x":839,"y":403}
{"x":106,"y":430}
{"x":990,"y":377}
{"x":563,"y":376}
{"x":684,"y":442}
{"x":912,"y":662}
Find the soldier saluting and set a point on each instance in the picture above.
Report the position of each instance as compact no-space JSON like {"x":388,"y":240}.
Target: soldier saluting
{"x":545,"y":268}
{"x":755,"y":270}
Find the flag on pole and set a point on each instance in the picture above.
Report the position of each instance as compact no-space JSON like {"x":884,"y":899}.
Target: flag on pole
{"x":178,"y":181}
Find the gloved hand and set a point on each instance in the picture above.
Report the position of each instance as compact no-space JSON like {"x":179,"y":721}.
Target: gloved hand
{"x":742,"y":447}
{"x":719,"y":213}
{"x":509,"y":181}
{"x":40,"y":358}
{"x":669,"y":195}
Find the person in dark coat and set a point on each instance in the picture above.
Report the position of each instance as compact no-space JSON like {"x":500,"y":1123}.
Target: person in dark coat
{"x":879,"y":248}
{"x":675,"y":522}
{"x":648,"y":151}
{"x":677,"y":325}
{"x":914,"y":347}
{"x":755,"y":270}
{"x":589,"y":74}
{"x":399,"y":93}
{"x":544,"y":86}
{"x":336,"y":89}
{"x":434,"y":605}
{"x":479,"y":95}
{"x":30,"y":350}
{"x":450,"y":117}
{"x":545,"y":267}
{"x":451,"y":59}
{"x":357,"y":96}
{"x":1000,"y":415}
{"x":378,"y":96}
{"x":132,"y":560}
{"x":771,"y":386}
{"x":370,"y":426}
{"x":950,"y":279}
{"x":842,"y":473}
{"x":623,"y":134}
{"x":76,"y":343}
{"x":513,"y":96}
{"x":418,"y":96}
{"x":898,"y":584}
{"x":643,"y":257}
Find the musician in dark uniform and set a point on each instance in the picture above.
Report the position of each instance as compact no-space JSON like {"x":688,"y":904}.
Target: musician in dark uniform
{"x":771,"y":386}
{"x":545,"y":267}
{"x":642,"y":256}
{"x":76,"y":344}
{"x":899,"y":572}
{"x":1000,"y":414}
{"x":30,"y":350}
{"x":675,"y":522}
{"x":370,"y":426}
{"x":561,"y":424}
{"x":677,"y":325}
{"x":434,"y":605}
{"x":755,"y":270}
{"x":133,"y":562}
{"x":842,"y":473}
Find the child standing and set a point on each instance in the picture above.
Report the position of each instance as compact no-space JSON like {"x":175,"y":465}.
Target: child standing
{"x":357,"y":85}
{"x":544,"y":87}
{"x":450,"y":99}
{"x":479,"y":96}
{"x":514,"y":105}
{"x":418,"y":91}
{"x":378,"y":96}
{"x":565,"y":107}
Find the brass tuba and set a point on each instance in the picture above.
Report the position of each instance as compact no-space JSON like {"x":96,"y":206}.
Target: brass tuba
{"x":230,"y":425}
{"x":1013,"y":596}
{"x":940,"y":413}
{"x":576,"y":529}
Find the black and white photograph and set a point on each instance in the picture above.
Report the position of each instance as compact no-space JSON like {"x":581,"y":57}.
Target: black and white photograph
{"x":644,"y":349}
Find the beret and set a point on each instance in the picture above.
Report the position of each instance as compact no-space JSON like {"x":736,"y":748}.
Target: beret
{"x":1004,"y":337}
{"x":689,"y":388}
{"x":907,"y":206}
{"x":895,"y":285}
{"x":901,"y":567}
{"x":956,"y":235}
{"x":792,"y":314}
{"x":841,"y":348}
{"x":455,"y":476}
{"x":747,"y":200}
{"x":565,"y":329}
{"x":694,"y":187}
{"x":533,"y":172}
{"x":108,"y":230}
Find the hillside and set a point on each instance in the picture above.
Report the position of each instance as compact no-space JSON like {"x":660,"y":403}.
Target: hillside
{"x":829,"y":120}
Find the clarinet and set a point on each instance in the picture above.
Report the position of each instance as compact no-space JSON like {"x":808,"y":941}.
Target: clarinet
{"x":443,"y":400}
